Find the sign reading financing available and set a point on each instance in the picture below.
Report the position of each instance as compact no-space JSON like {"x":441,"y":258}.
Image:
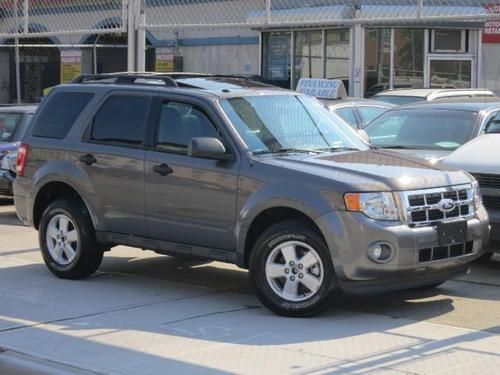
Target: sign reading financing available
{"x":491,"y":31}
{"x":322,"y":88}
{"x":71,"y":65}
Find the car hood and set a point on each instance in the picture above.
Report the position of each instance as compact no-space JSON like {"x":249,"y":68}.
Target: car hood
{"x":373,"y":170}
{"x":430,"y":155}
{"x":481,"y":155}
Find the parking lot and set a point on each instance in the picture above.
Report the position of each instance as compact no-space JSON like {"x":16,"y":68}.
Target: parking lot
{"x":144,"y":313}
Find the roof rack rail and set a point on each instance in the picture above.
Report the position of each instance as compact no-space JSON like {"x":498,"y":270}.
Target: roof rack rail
{"x":127,"y":78}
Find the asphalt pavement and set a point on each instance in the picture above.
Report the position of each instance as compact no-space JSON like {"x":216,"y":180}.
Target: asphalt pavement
{"x":144,"y":313}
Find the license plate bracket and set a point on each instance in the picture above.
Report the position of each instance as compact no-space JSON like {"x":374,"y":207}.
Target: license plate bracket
{"x":452,"y":233}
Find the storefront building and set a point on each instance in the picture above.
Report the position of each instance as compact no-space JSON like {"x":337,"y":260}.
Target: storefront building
{"x":372,"y":58}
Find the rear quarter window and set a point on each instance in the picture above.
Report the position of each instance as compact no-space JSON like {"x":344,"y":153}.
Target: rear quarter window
{"x":59,"y":114}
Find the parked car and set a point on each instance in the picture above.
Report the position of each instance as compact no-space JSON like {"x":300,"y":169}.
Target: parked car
{"x":266,"y":179}
{"x":357,"y":112}
{"x":409,"y":96}
{"x":14,"y":121}
{"x":481,"y":158}
{"x":433,"y":130}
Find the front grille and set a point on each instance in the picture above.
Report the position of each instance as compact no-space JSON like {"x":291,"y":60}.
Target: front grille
{"x":424,"y":207}
{"x":491,"y":202}
{"x":431,"y":254}
{"x":488,"y":181}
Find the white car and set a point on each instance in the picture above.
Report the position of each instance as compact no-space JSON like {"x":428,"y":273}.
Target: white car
{"x":409,"y":96}
{"x":481,"y":158}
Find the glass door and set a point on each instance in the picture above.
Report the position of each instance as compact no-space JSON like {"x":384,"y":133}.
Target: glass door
{"x":450,"y":72}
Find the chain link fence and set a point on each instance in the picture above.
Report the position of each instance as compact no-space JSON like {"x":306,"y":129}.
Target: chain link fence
{"x":176,"y":14}
{"x":25,"y":18}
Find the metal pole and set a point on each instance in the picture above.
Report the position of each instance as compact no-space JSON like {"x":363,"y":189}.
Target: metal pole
{"x":16,"y":55}
{"x":131,"y":36}
{"x":95,"y":53}
{"x":268,"y":11}
{"x":141,"y":44}
{"x":18,"y":72}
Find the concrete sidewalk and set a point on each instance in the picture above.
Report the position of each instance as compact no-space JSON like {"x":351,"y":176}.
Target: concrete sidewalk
{"x":149,"y":314}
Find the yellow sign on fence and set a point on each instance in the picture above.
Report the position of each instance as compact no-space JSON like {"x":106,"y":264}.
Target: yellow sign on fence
{"x":71,"y":65}
{"x":164,"y":60}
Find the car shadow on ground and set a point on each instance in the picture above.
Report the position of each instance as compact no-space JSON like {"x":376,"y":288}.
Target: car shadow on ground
{"x":198,"y":319}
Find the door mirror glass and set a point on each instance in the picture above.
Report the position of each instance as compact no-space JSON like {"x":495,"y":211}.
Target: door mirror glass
{"x":207,"y":148}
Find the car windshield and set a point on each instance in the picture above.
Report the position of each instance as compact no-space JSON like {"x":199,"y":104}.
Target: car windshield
{"x":289,"y":123}
{"x":422,"y":129}
{"x":8,"y":123}
{"x":399,"y":100}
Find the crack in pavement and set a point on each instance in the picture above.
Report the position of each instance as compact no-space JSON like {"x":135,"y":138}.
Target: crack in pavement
{"x":120,"y":309}
{"x":245,"y":308}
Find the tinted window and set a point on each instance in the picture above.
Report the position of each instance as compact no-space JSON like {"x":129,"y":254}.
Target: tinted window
{"x":347,"y":115}
{"x":121,"y":119}
{"x":8,"y":124}
{"x":399,"y":100}
{"x":425,"y":129}
{"x":370,"y":113}
{"x":178,"y":123}
{"x":59,"y":114}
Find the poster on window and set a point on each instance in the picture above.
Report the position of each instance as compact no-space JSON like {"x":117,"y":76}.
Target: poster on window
{"x":71,"y":65}
{"x":279,"y":49}
{"x":491,"y":31}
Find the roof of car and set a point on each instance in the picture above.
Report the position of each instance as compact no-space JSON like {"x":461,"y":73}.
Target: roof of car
{"x":424,"y":93}
{"x":19,"y":108}
{"x":469,"y":104}
{"x":352,"y":101}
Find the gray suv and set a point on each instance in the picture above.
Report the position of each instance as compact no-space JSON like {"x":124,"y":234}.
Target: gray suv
{"x":263,"y":178}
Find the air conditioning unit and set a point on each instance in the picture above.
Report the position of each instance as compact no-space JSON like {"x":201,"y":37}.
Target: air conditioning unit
{"x":448,"y":41}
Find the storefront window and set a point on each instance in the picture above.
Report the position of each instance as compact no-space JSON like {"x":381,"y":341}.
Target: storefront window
{"x":337,"y":55}
{"x":308,"y":55}
{"x":276,"y":58}
{"x":408,"y":58}
{"x":450,"y":74}
{"x":377,"y":60}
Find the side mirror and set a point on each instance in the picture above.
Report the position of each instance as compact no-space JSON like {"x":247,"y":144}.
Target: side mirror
{"x":364,"y":135}
{"x":207,"y":148}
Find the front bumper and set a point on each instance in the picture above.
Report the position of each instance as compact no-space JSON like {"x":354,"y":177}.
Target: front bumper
{"x":349,"y":235}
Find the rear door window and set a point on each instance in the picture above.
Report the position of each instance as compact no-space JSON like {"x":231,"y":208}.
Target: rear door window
{"x":59,"y":114}
{"x":121,"y":119}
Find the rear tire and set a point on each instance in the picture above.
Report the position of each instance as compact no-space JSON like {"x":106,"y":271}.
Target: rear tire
{"x":68,"y":241}
{"x":292,"y":270}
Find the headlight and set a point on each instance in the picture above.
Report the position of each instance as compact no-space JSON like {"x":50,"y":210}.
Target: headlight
{"x":379,"y":206}
{"x":476,"y":193}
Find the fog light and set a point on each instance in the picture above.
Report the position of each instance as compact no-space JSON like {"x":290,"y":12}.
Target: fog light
{"x":380,"y":252}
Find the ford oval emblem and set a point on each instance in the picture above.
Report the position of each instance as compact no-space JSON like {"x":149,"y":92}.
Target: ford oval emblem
{"x":447,"y":205}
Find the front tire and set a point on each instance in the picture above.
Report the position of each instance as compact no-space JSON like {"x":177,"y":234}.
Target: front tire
{"x":292,"y":270}
{"x":68,"y":241}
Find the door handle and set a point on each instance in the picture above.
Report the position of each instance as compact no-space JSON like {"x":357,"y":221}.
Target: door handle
{"x":162,"y":169}
{"x":88,"y":159}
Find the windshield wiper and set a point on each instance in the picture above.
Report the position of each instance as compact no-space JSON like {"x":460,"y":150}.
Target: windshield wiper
{"x":286,"y":150}
{"x":399,"y":147}
{"x":337,"y":149}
